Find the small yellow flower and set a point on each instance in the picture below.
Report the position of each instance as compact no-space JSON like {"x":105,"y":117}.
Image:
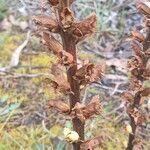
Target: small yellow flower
{"x":128,"y":128}
{"x":71,"y":136}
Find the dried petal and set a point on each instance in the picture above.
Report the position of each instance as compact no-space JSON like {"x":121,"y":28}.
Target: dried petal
{"x":85,"y":28}
{"x":58,"y":80}
{"x":59,"y":105}
{"x":89,"y":73}
{"x":66,"y":18}
{"x":128,"y":97}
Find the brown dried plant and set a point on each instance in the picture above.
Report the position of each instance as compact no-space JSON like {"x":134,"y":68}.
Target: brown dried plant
{"x":71,"y":33}
{"x":139,"y":67}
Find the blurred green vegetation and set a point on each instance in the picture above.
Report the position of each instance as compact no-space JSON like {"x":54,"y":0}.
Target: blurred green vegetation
{"x":3,"y":9}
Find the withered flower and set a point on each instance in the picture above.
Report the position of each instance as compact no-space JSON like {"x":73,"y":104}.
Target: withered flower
{"x":59,"y":105}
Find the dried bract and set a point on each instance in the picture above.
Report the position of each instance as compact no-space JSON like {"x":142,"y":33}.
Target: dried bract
{"x":51,"y":43}
{"x":46,"y":22}
{"x":59,"y":105}
{"x":137,"y":47}
{"x":85,"y":28}
{"x":89,"y":73}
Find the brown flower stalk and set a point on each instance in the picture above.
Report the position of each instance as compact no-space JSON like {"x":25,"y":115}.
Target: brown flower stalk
{"x":140,"y":72}
{"x":71,"y":33}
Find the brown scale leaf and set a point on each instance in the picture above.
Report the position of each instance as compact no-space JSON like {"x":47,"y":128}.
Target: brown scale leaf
{"x":137,"y":47}
{"x":66,"y":18}
{"x":136,"y":35}
{"x":59,"y":83}
{"x":85,"y":28}
{"x":46,"y":22}
{"x":52,"y":44}
{"x":92,"y":143}
{"x":144,"y":7}
{"x":128,"y":97}
{"x":59,"y":105}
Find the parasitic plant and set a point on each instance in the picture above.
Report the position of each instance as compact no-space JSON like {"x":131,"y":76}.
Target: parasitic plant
{"x":139,"y":67}
{"x":71,"y":32}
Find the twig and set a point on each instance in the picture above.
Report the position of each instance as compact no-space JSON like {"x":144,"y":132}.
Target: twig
{"x":15,"y":56}
{"x":115,"y":89}
{"x":24,"y":75}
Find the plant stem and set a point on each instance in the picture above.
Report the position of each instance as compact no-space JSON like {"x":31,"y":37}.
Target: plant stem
{"x":137,"y":97}
{"x":69,"y":45}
